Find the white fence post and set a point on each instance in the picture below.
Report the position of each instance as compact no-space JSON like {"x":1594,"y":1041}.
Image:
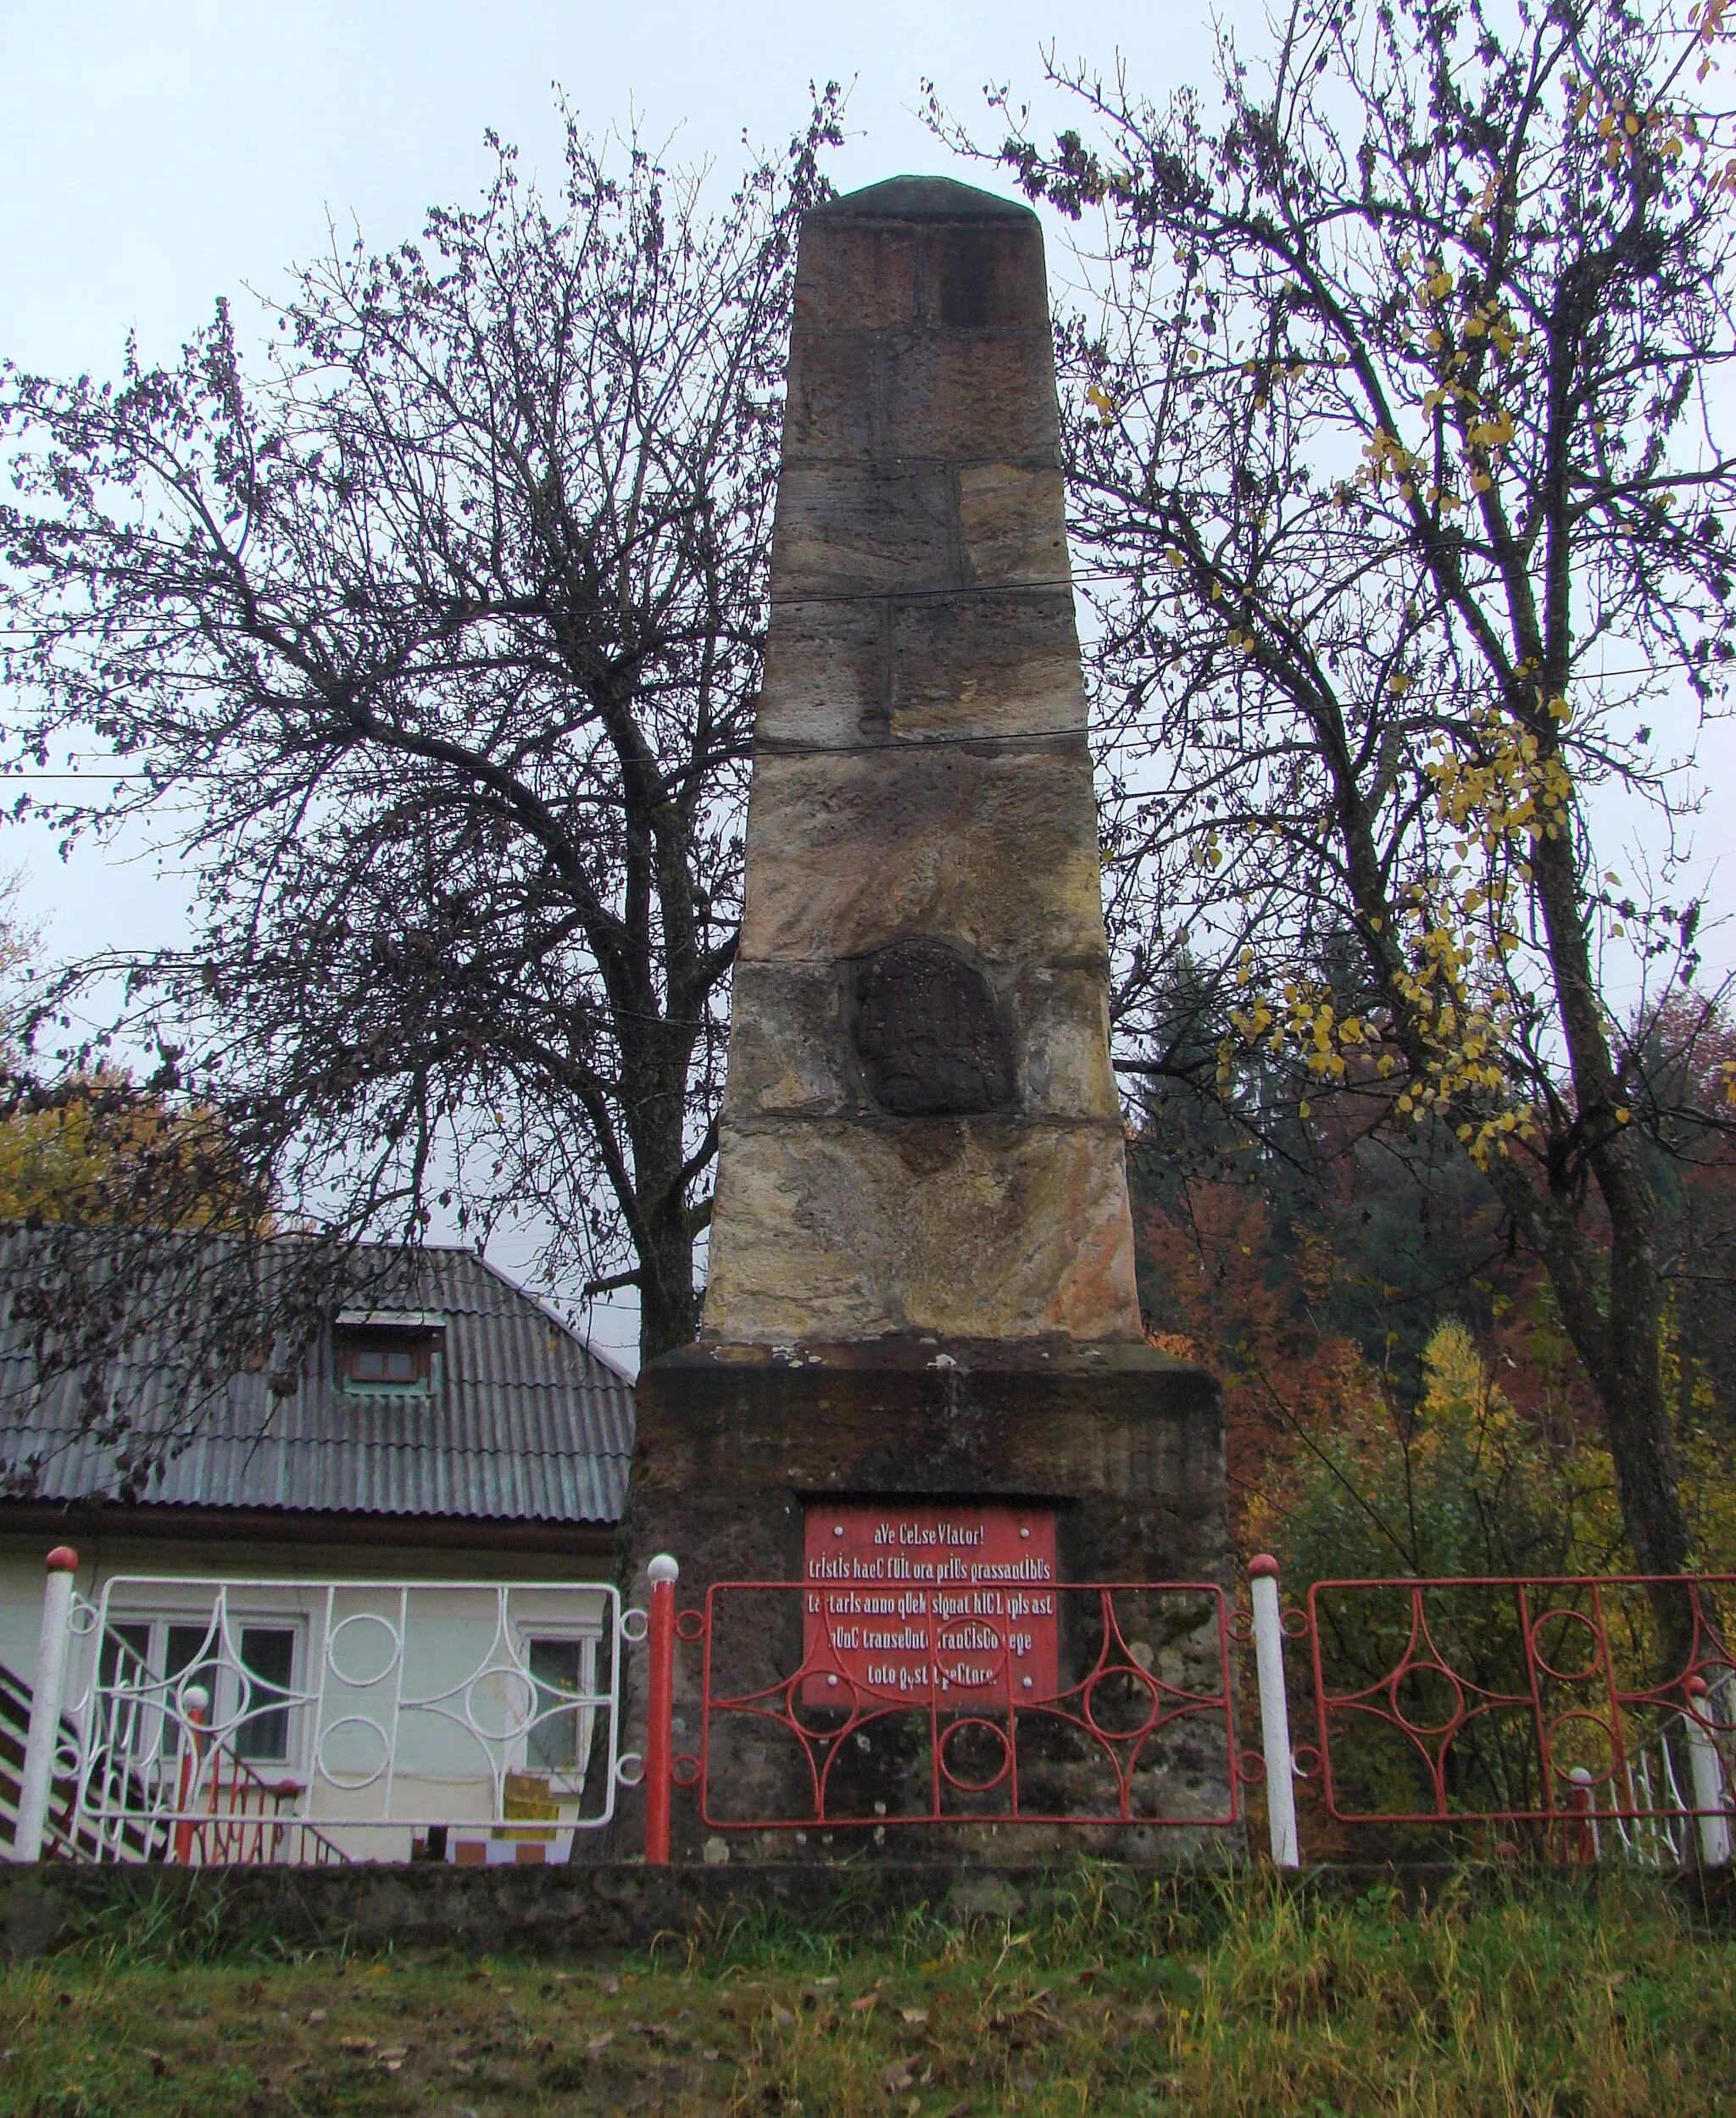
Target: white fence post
{"x":1274,"y":1711}
{"x":1708,"y":1778}
{"x":37,"y":1786}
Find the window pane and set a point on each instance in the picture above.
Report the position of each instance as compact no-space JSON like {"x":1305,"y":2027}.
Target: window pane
{"x":127,"y":1654}
{"x":370,"y":1365}
{"x":267,"y":1663}
{"x":555,"y":1668}
{"x":127,"y":1709}
{"x":400,"y":1364}
{"x":189,"y":1658}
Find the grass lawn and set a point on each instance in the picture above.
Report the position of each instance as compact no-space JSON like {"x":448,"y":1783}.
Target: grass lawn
{"x":1589,"y":2001}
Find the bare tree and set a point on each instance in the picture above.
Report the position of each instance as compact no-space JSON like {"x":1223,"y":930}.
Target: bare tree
{"x":432,"y":649}
{"x":1398,"y":486}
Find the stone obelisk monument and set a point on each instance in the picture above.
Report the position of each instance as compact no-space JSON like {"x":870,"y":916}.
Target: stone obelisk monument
{"x":922,"y":1292}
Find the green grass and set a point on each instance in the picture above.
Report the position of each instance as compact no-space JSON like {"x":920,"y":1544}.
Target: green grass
{"x":1587,"y":2001}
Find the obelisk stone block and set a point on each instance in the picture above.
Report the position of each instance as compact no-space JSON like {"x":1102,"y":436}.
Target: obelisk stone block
{"x":921,"y":1287}
{"x":921,"y":783}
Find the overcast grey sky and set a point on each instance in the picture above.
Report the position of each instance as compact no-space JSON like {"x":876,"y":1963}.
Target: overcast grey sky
{"x":153,"y":158}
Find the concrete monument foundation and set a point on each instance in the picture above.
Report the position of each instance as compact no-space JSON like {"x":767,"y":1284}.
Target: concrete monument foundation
{"x":922,"y":1378}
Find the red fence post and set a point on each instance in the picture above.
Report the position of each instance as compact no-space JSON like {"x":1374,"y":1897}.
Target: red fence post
{"x":195,"y":1702}
{"x":659,"y":1740}
{"x":1581,"y":1825}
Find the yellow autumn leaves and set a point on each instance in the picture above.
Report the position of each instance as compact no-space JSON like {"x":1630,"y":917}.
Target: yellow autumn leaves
{"x":1501,"y":792}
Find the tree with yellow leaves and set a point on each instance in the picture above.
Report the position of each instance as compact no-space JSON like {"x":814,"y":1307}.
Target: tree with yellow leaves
{"x":96,"y":1150}
{"x":1397,"y":487}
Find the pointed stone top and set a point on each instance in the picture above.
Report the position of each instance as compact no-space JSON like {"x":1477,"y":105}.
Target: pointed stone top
{"x":924,"y":199}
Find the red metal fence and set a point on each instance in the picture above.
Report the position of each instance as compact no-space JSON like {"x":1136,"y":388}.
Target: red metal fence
{"x":1519,"y":1701}
{"x":1129,"y":1721}
{"x":1444,"y":1708}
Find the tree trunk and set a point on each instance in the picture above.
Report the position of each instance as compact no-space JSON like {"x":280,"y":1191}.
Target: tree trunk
{"x":669,"y":1302}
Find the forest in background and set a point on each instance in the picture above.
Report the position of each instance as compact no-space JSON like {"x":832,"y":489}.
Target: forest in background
{"x":1401,"y":1394}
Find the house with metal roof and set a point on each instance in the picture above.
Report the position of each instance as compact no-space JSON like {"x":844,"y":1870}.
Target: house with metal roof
{"x":440,"y":1425}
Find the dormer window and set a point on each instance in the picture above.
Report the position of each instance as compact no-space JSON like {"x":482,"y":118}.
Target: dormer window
{"x":386,"y":1363}
{"x":387,"y":1352}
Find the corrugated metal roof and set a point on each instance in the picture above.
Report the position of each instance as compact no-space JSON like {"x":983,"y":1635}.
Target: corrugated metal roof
{"x":526,"y":1424}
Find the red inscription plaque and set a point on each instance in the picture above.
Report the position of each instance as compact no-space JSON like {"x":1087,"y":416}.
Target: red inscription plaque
{"x":929,"y":1602}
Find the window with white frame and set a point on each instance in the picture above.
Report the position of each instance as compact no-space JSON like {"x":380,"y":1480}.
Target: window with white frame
{"x":563,"y":1667}
{"x":249,"y":1679}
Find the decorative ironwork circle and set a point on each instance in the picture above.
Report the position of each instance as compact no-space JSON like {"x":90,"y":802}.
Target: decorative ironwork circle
{"x":1088,"y":1705}
{"x":349,"y":1782}
{"x":363,"y":1618}
{"x":690,"y":1625}
{"x":630,"y":1768}
{"x":846,"y":1700}
{"x":684,"y":1769}
{"x":1548,"y":1669}
{"x":1239,"y":1626}
{"x":635,"y":1624}
{"x":1298,"y":1753}
{"x":1454,"y":1720}
{"x":1294,"y":1623}
{"x":1251,"y":1768}
{"x":976,"y":1786}
{"x":1552,"y":1736}
{"x":507,"y":1685}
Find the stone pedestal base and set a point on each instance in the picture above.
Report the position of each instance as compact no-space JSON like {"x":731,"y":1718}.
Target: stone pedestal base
{"x":1124,"y":1443}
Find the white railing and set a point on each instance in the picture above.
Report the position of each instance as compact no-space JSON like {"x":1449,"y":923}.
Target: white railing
{"x":278,"y":1720}
{"x":1660,"y":1837}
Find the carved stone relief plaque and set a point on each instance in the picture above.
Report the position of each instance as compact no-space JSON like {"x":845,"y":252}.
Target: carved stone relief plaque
{"x":928,"y":1033}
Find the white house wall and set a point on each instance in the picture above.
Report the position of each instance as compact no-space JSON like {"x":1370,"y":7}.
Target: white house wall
{"x":440,"y":1770}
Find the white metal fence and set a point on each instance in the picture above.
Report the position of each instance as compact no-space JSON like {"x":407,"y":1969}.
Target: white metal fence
{"x":277,"y":1720}
{"x":1661,"y":1832}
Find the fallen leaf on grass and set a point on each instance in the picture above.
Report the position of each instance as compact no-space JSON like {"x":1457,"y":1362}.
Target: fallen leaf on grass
{"x":781,"y":2019}
{"x":898,"y":2075}
{"x":393,"y":2056}
{"x":865,"y":2005}
{"x":358,"y":2044}
{"x":463,"y":2066}
{"x":156,"y":2061}
{"x":316,"y":2015}
{"x":914,"y":2015}
{"x":594,"y":2045}
{"x":710,"y":2054}
{"x":610,"y":1985}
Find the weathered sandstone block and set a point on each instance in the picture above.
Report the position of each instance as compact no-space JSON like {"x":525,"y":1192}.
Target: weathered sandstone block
{"x":922,"y":784}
